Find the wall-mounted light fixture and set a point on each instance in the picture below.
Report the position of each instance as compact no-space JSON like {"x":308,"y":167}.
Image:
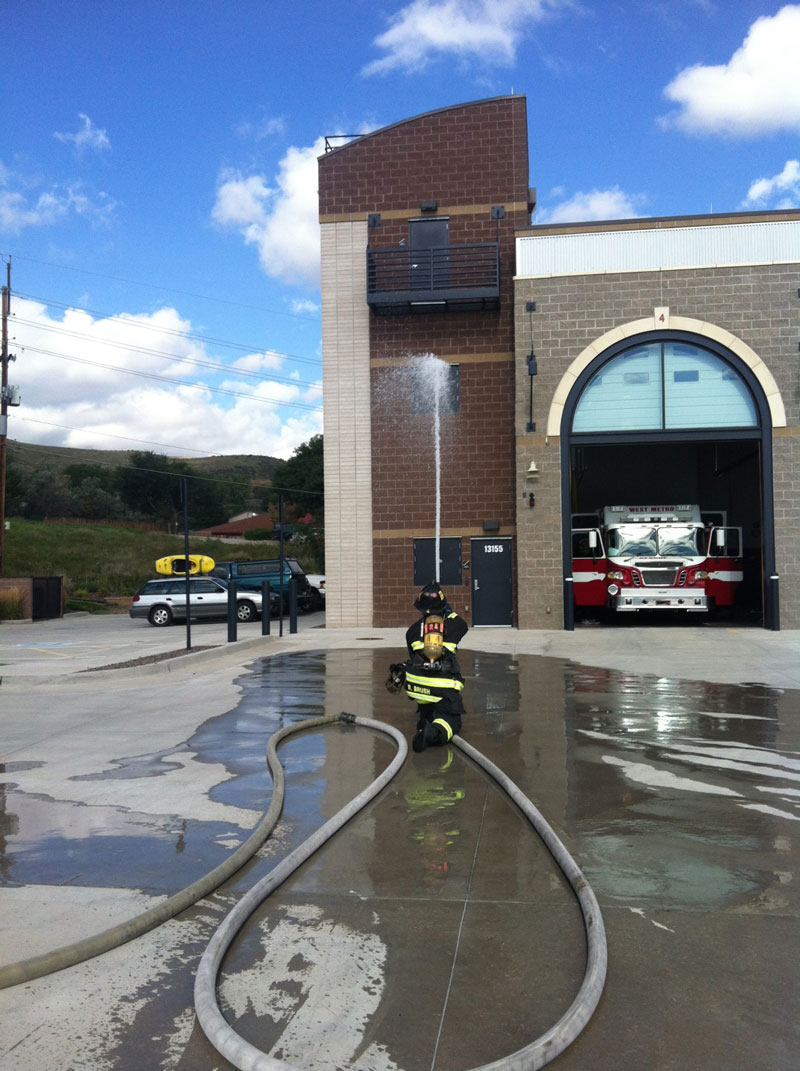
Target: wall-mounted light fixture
{"x":429,"y":206}
{"x":533,"y":471}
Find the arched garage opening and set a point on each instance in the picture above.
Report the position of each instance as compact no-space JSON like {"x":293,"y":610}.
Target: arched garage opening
{"x":661,"y":418}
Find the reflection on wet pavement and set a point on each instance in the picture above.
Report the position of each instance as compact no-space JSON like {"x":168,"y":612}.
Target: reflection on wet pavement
{"x":435,"y":931}
{"x":685,"y":791}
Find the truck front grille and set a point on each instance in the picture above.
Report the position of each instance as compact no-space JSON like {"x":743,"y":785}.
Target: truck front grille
{"x":659,"y":578}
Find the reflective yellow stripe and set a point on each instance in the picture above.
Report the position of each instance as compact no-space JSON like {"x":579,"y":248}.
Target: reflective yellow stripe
{"x":416,"y":645}
{"x":434,"y":682}
{"x":445,"y":726}
{"x":450,"y":647}
{"x":424,"y":698}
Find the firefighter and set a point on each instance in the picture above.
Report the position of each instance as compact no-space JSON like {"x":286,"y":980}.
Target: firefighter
{"x":431,"y":676}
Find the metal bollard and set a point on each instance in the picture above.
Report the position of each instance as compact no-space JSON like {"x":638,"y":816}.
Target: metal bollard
{"x":232,"y":619}
{"x":266,"y":605}
{"x":293,"y":605}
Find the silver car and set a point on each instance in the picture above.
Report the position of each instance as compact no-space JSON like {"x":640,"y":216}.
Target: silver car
{"x":164,"y":601}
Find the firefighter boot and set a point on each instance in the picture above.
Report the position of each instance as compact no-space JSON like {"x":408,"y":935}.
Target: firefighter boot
{"x":428,"y":735}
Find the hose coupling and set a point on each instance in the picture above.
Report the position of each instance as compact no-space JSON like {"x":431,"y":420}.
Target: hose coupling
{"x":347,"y":719}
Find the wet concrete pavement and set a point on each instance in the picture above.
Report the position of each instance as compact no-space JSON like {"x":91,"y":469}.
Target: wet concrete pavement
{"x":434,"y":931}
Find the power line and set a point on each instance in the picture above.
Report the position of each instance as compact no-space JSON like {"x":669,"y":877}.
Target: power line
{"x":175,"y":382}
{"x":156,"y":286}
{"x":111,"y":435}
{"x":133,"y":322}
{"x":214,"y":365}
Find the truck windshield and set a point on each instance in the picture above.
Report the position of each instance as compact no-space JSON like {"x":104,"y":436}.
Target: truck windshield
{"x":632,"y":539}
{"x":679,"y":539}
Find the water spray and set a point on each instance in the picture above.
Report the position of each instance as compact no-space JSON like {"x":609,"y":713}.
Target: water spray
{"x":434,"y":373}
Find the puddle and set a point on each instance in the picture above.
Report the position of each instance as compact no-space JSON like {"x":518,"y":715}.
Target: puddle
{"x":679,"y":800}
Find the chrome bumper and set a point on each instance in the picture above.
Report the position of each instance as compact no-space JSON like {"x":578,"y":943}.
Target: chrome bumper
{"x":630,"y":599}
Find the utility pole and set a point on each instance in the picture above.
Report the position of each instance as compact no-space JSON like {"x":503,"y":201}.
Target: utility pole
{"x":4,"y":358}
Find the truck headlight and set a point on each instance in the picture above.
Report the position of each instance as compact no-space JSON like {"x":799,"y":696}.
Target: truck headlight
{"x":615,"y":574}
{"x":701,"y":574}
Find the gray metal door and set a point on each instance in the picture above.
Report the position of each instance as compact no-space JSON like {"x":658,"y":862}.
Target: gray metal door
{"x":492,"y":599}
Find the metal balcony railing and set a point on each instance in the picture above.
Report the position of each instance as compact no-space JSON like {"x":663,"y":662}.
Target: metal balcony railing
{"x":453,"y":276}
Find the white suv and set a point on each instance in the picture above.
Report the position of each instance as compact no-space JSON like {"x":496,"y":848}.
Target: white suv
{"x":164,"y":601}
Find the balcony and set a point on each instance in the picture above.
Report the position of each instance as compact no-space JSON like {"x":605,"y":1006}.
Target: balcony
{"x":447,"y":278}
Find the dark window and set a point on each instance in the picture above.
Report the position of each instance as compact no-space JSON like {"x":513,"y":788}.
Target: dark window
{"x":203,"y":587}
{"x":258,"y":568}
{"x":428,"y":233}
{"x":449,"y":561}
{"x":688,"y":375}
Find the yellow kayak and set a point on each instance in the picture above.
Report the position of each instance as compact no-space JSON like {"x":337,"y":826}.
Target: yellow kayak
{"x":176,"y":565}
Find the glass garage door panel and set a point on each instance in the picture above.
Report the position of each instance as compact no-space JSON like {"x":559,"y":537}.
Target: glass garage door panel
{"x":665,"y":386}
{"x":703,"y":391}
{"x":625,"y":395}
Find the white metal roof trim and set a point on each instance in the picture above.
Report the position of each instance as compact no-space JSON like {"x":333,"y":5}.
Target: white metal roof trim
{"x":650,"y":250}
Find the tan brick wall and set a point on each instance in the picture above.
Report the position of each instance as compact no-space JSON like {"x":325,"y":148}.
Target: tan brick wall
{"x":757,"y":303}
{"x":348,"y":428}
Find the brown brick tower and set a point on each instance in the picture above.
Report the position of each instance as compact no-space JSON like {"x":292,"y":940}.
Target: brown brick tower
{"x":418,"y":230}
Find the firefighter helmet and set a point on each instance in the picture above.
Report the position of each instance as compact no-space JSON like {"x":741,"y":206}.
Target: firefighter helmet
{"x":430,"y":600}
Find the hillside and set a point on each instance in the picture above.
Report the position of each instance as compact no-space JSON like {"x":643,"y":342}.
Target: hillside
{"x":28,"y":457}
{"x":101,"y":560}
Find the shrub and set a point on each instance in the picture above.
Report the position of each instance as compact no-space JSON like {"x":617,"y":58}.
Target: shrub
{"x":258,"y":533}
{"x":11,"y":604}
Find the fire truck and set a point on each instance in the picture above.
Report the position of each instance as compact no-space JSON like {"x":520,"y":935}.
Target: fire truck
{"x":655,"y":558}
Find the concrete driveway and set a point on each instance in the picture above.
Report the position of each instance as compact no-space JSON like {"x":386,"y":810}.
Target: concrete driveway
{"x":434,"y":930}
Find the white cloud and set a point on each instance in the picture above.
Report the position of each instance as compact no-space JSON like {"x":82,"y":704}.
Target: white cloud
{"x":261,"y":129}
{"x":310,"y":308}
{"x":780,"y":191}
{"x":75,"y":373}
{"x":20,"y":210}
{"x":242,"y":202}
{"x":488,"y":29}
{"x":260,"y":362}
{"x":17,"y":213}
{"x":280,"y":219}
{"x":593,"y":204}
{"x":89,"y":137}
{"x":756,"y":92}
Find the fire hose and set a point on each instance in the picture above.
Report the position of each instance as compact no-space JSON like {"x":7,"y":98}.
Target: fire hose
{"x":247,"y":1057}
{"x":236,"y":1049}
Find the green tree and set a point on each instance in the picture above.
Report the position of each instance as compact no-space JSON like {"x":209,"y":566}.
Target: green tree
{"x":44,"y":493}
{"x":301,"y":480}
{"x":151,"y":488}
{"x":15,"y":490}
{"x":103,"y":475}
{"x":93,"y":502}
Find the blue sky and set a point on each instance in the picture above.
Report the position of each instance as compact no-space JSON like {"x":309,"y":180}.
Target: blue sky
{"x":158,"y":175}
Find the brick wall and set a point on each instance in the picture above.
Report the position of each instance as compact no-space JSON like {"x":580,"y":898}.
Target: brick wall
{"x":757,"y":303}
{"x":467,"y":159}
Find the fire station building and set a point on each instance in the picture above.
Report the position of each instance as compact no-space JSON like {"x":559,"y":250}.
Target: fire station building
{"x":489,"y":384}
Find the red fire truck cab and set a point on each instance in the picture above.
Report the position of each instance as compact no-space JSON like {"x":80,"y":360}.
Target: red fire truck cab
{"x":655,"y":558}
